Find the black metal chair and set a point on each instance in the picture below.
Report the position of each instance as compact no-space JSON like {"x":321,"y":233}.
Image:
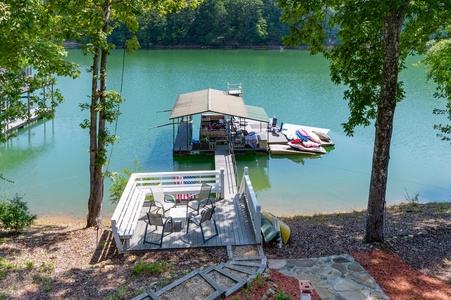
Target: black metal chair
{"x":157,"y":220}
{"x":207,"y":214}
{"x":201,"y":201}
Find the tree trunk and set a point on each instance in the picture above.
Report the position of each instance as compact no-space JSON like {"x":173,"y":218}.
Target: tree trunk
{"x":97,"y":131}
{"x":384,"y":126}
{"x":96,"y":185}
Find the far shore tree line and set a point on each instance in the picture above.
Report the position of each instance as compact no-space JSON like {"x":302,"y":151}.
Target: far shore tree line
{"x":370,"y":40}
{"x":213,"y":24}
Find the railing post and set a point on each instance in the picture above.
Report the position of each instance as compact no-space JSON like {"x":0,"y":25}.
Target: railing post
{"x":246,"y":171}
{"x":221,"y":181}
{"x":258,"y":224}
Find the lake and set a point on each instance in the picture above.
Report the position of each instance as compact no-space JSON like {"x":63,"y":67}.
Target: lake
{"x":49,"y":162}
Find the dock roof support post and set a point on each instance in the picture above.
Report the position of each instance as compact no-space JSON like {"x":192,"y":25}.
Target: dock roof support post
{"x":28,"y":107}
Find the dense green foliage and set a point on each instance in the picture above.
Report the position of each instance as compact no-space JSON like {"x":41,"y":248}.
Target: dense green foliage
{"x":30,"y":38}
{"x":438,"y":66}
{"x":215,"y":23}
{"x":357,"y":55}
{"x":14,"y":214}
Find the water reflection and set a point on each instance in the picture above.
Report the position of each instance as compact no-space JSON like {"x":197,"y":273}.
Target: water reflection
{"x":30,"y":142}
{"x":258,"y":170}
{"x":194,"y":163}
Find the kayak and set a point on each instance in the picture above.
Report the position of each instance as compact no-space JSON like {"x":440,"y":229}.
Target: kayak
{"x":312,"y":136}
{"x":268,"y":231}
{"x":307,"y":146}
{"x":325,"y":139}
{"x":276,"y":222}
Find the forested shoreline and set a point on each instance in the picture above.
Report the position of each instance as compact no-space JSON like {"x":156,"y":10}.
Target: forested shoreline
{"x":228,"y":24}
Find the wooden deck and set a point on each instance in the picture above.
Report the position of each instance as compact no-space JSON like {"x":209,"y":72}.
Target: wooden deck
{"x":232,"y":221}
{"x":231,"y":215}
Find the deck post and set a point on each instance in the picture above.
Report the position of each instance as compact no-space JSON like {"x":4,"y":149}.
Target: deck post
{"x":258,"y":224}
{"x":222,"y":182}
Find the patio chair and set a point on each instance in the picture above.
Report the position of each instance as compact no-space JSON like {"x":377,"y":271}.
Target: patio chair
{"x":207,"y":214}
{"x":201,"y":201}
{"x":162,"y":201}
{"x":157,"y":220}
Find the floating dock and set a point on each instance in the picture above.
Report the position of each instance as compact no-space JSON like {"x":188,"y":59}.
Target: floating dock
{"x":227,"y":122}
{"x":13,"y":126}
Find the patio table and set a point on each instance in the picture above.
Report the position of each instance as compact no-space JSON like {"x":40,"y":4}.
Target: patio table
{"x":178,"y":215}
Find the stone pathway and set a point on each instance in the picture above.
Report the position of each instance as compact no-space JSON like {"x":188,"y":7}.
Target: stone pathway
{"x":337,"y":277}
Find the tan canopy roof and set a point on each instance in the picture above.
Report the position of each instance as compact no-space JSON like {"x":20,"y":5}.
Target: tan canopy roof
{"x":216,"y":101}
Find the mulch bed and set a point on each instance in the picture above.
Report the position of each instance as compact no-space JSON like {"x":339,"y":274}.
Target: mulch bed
{"x":399,"y":280}
{"x":58,"y":259}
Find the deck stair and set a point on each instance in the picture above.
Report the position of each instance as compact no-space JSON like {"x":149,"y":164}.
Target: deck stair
{"x":216,"y":281}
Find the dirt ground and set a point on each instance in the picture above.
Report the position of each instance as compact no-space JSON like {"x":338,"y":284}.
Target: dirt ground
{"x":59,"y":259}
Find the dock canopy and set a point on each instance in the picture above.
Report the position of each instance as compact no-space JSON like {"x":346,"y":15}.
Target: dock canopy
{"x":215,"y":101}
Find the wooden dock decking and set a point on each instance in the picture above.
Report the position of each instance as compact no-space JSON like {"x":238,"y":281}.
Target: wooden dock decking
{"x":181,"y":143}
{"x":223,"y":160}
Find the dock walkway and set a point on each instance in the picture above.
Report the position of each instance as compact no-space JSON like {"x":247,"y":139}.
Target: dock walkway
{"x":224,"y":160}
{"x":181,"y":143}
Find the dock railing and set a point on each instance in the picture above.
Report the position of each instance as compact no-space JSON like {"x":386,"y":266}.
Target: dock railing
{"x":232,"y":153}
{"x":247,"y":191}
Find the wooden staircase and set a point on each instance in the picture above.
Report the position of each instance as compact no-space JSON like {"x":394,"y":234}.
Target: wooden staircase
{"x":217,"y":281}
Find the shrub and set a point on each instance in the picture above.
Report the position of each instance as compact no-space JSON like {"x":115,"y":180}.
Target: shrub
{"x":14,"y":214}
{"x":412,"y":200}
{"x":119,"y":182}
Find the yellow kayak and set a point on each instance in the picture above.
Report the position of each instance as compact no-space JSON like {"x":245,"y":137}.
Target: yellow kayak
{"x":284,"y":229}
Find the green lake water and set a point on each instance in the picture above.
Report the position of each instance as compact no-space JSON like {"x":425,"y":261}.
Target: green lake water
{"x":48,"y":161}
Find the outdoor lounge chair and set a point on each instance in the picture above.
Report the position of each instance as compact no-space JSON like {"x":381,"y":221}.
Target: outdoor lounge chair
{"x":207,"y":214}
{"x":201,"y":201}
{"x":162,"y":201}
{"x":157,"y":220}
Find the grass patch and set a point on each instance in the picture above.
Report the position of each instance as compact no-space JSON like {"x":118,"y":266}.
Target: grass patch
{"x":281,"y":296}
{"x":47,"y":267}
{"x":152,"y":269}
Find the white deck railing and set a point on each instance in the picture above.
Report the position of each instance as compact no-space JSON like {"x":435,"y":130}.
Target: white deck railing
{"x":247,"y":191}
{"x":181,"y":182}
